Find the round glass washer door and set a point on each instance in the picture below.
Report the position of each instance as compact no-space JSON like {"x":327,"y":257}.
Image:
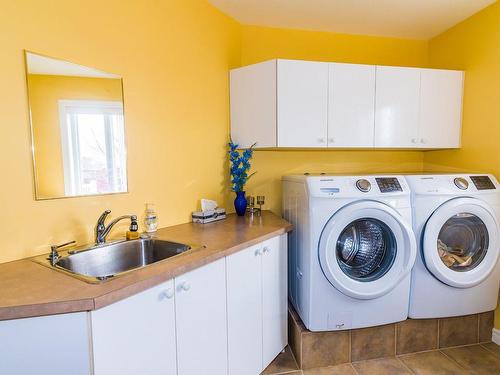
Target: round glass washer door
{"x":460,"y":242}
{"x":366,"y":249}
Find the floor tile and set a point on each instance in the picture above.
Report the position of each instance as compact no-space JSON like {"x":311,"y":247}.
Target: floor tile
{"x":486,"y":326}
{"x":460,"y":330}
{"x":432,"y":363}
{"x":345,"y":369}
{"x":493,"y":348}
{"x":373,"y":342}
{"x":383,"y":366}
{"x":284,"y":362}
{"x":416,"y":335}
{"x":476,"y":359}
{"x":321,"y":349}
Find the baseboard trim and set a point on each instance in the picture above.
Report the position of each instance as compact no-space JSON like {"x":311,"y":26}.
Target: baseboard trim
{"x":496,"y":336}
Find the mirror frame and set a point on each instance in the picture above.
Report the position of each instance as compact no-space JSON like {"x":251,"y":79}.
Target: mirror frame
{"x":32,"y":136}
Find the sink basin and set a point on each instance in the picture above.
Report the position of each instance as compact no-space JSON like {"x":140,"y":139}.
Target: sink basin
{"x":98,"y":263}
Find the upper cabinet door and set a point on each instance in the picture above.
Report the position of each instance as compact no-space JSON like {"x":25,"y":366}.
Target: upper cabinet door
{"x":397,"y":107}
{"x":302,"y":93}
{"x":441,"y":108}
{"x":351,"y":105}
{"x":200,"y":310}
{"x":136,"y":335}
{"x":253,"y":105}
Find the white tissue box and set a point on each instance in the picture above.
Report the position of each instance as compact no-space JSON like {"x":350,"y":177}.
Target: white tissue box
{"x":204,"y":217}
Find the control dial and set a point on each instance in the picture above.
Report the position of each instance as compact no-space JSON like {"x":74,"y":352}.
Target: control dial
{"x":461,"y":183}
{"x":363,"y":185}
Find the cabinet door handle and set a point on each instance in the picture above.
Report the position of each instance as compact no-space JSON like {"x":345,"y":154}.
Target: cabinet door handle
{"x":414,"y":140}
{"x":167,"y":294}
{"x":185,"y":286}
{"x":331,"y":140}
{"x":267,"y":249}
{"x":423,"y":141}
{"x":321,"y":140}
{"x":258,"y":252}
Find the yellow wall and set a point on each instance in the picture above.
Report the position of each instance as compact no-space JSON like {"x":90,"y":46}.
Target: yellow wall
{"x":261,"y":43}
{"x":264,"y":43}
{"x":44,"y":92}
{"x":174,"y":58}
{"x":474,"y":46}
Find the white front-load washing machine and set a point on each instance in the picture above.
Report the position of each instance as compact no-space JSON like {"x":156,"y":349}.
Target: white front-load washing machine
{"x":351,"y":250}
{"x":456,"y":220}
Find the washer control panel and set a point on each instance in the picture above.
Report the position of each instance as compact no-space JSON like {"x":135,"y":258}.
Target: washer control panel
{"x":483,"y":183}
{"x":388,"y":184}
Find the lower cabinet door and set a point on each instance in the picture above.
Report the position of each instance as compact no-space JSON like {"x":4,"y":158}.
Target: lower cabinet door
{"x":244,"y":311}
{"x":136,"y":335}
{"x":274,"y":297}
{"x":46,"y":345}
{"x":200,"y":308}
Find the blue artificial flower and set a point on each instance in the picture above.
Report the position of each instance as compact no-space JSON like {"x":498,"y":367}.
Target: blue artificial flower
{"x":240,"y":165}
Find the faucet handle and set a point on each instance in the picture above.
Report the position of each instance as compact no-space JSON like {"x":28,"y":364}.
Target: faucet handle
{"x":103,"y":216}
{"x":54,"y":255}
{"x":56,"y":247}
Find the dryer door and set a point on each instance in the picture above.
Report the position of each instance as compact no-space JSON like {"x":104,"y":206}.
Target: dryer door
{"x":460,"y":242}
{"x":366,"y":249}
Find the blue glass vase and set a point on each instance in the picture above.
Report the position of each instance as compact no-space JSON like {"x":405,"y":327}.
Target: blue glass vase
{"x":240,"y":203}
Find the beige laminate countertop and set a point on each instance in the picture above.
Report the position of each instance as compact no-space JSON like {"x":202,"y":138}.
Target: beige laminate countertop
{"x":29,"y":289}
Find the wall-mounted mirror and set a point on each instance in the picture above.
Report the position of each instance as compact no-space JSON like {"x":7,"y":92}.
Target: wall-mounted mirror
{"x":77,"y":129}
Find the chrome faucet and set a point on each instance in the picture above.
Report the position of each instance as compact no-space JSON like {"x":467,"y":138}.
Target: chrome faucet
{"x":102,"y":231}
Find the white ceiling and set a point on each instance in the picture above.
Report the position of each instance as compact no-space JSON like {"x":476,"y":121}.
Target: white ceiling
{"x":38,"y":64}
{"x":415,"y":19}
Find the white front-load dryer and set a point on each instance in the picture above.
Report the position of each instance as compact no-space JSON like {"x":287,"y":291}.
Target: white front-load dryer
{"x":456,"y":221}
{"x":351,"y":250}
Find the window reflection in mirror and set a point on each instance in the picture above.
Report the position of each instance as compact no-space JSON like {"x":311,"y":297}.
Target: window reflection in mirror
{"x":78,"y":130}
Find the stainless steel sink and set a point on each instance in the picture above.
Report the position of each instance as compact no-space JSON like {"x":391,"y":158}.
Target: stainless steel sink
{"x":95,"y":264}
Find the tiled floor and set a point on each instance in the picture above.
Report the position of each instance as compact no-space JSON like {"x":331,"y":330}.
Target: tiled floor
{"x":482,"y":359}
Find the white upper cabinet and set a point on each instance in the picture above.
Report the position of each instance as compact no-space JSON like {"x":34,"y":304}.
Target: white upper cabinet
{"x":136,"y":335}
{"x":397,"y":107}
{"x":253,"y":105}
{"x":302,"y":99}
{"x":351,"y":105}
{"x":306,"y":104}
{"x":440,"y":108}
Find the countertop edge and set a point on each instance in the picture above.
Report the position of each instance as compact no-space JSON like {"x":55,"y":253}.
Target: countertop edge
{"x":136,"y":286}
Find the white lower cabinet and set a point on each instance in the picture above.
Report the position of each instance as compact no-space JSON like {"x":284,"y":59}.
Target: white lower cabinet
{"x":244,"y":311}
{"x":274,"y":297}
{"x":46,"y":345}
{"x":200,"y":310}
{"x":227,"y":317}
{"x":257,"y":306}
{"x":136,"y":335}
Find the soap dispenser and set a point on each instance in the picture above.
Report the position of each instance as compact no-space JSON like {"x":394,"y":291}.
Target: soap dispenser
{"x":150,"y":218}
